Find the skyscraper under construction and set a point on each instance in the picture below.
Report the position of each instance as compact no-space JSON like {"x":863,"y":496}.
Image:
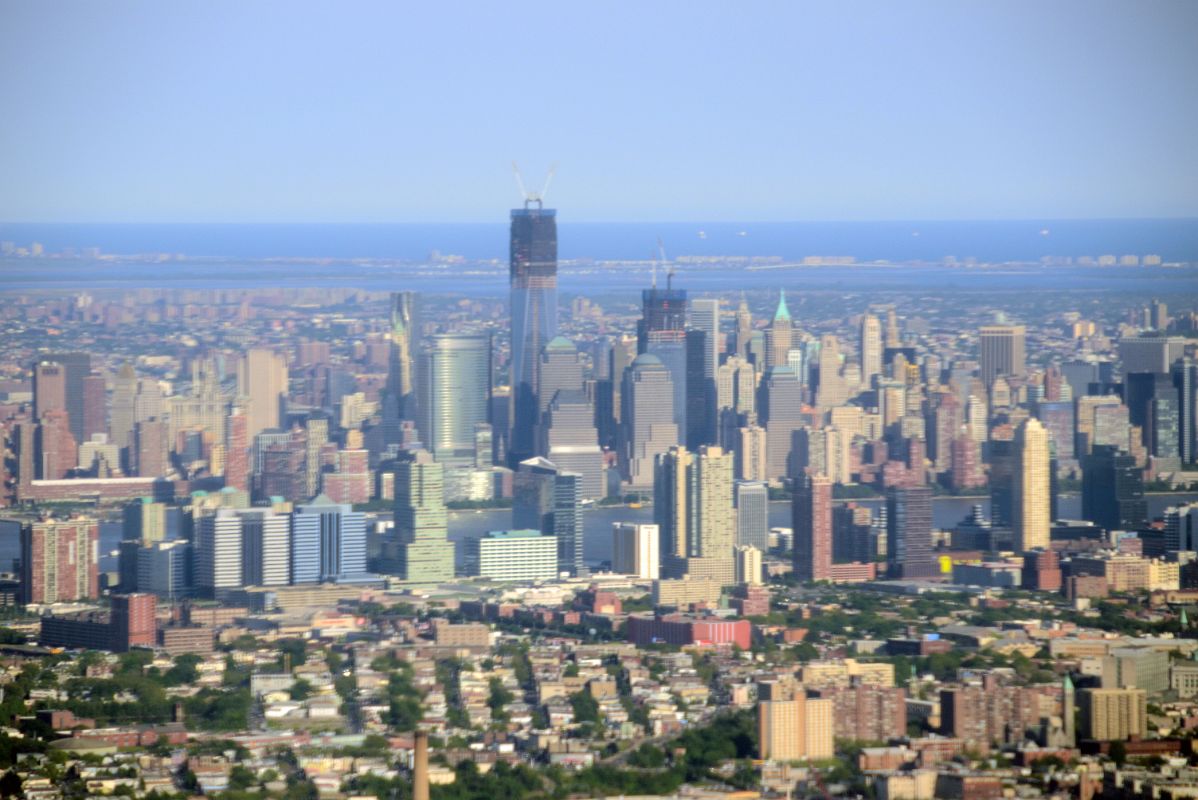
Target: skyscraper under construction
{"x":534,"y":315}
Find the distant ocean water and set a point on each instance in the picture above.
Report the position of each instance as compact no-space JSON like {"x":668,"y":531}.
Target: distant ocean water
{"x":1028,"y":240}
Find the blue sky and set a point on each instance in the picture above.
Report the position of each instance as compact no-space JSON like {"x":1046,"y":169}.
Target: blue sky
{"x":411,"y":112}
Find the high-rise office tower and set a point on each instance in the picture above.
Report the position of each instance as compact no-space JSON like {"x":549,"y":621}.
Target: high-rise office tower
{"x":572,"y":443}
{"x":636,"y":550}
{"x":95,"y":406}
{"x":692,"y":499}
{"x":1001,"y":351}
{"x":747,"y":564}
{"x":124,"y":398}
{"x":342,"y":538}
{"x":59,"y":560}
{"x":947,"y":418}
{"x":1185,"y":381}
{"x":316,"y":429}
{"x":832,"y":391}
{"x":1150,"y":353}
{"x":744,"y":328}
{"x":74,"y":368}
{"x":779,"y":336}
{"x":263,"y":379}
{"x":871,"y":349}
{"x":143,"y":521}
{"x":705,"y":317}
{"x":150,"y":448}
{"x":56,"y":448}
{"x":1181,"y":527}
{"x":647,"y":420}
{"x":751,"y":500}
{"x":163,"y":568}
{"x":1030,"y":500}
{"x":533,"y":302}
{"x":49,"y":388}
{"x":1058,"y":419}
{"x":560,"y":369}
{"x":700,"y":395}
{"x":265,"y":548}
{"x":661,"y":332}
{"x":894,"y":337}
{"x":812,"y":511}
{"x":401,"y":368}
{"x":218,"y":555}
{"x":424,"y":552}
{"x":546,"y":498}
{"x":780,"y":406}
{"x":1113,"y":490}
{"x":454,"y":381}
{"x":909,"y":531}
{"x":608,"y":404}
{"x":1153,"y":405}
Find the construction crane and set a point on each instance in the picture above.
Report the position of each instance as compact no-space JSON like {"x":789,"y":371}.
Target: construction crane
{"x":534,"y":197}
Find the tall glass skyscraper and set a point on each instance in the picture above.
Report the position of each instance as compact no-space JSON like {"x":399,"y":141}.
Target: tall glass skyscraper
{"x":340,"y":539}
{"x":404,"y":333}
{"x":424,"y":553}
{"x":454,"y":381}
{"x":534,"y":315}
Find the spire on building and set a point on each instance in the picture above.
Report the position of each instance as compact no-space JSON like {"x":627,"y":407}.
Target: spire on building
{"x":783,"y":313}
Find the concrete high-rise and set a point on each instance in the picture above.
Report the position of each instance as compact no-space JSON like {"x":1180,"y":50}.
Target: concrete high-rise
{"x":870,"y":349}
{"x":1030,"y":501}
{"x":533,"y":304}
{"x":124,"y":398}
{"x":647,"y":421}
{"x":263,"y":379}
{"x":693,"y":509}
{"x":454,"y":382}
{"x":832,"y":390}
{"x":780,"y":404}
{"x":661,"y":332}
{"x":1110,"y":715}
{"x":744,"y":328}
{"x":636,"y":550}
{"x":424,"y":553}
{"x":812,"y":521}
{"x":1001,"y":351}
{"x":792,"y":726}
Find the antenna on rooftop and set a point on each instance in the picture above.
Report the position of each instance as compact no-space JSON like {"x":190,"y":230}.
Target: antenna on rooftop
{"x":534,"y":197}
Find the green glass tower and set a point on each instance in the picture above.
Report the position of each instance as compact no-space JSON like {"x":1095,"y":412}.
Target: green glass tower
{"x":424,"y":553}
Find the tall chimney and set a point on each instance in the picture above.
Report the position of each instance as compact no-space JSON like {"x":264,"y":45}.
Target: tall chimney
{"x":420,"y":768}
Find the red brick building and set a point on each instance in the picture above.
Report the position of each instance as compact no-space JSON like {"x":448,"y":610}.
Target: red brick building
{"x":1042,"y":571}
{"x":812,"y":519}
{"x":874,"y":713}
{"x":58,"y":561}
{"x":680,"y":629}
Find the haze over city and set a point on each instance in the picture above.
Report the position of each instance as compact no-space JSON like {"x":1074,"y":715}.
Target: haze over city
{"x":426,"y":402}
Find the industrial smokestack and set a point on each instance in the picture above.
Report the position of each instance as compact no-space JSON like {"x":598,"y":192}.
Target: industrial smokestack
{"x":420,"y":768}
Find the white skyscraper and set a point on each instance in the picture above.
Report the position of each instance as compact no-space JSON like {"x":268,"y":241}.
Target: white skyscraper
{"x":218,"y":553}
{"x":635,"y":550}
